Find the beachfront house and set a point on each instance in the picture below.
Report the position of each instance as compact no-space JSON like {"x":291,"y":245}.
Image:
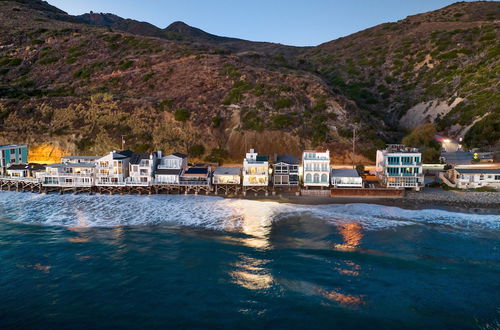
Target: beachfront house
{"x":11,"y":154}
{"x":255,"y":169}
{"x":224,"y":175}
{"x":113,"y":168}
{"x":286,"y":171}
{"x":346,"y":178}
{"x":196,"y":176}
{"x":316,"y":168}
{"x":142,"y":167}
{"x":170,"y":168}
{"x":68,"y":175}
{"x":24,"y":170}
{"x":399,"y":166}
{"x":467,"y":178}
{"x":80,"y":159}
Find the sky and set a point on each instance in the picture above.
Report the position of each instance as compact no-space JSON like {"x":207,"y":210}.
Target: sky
{"x":290,"y":22}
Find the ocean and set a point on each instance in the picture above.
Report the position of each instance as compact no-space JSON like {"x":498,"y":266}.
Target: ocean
{"x":200,"y":262}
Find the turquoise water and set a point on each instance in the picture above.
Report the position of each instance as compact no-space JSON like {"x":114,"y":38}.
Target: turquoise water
{"x":87,"y":262}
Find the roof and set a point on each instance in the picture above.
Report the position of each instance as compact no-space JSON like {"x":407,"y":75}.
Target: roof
{"x":81,"y":157}
{"x":196,"y":170}
{"x":30,"y":166}
{"x":138,"y":156}
{"x":345,"y":173}
{"x":12,"y":146}
{"x":178,"y":154}
{"x":288,"y":159}
{"x":123,"y":154}
{"x":168,"y":171}
{"x":315,"y":150}
{"x":71,"y":165}
{"x":478,"y":170}
{"x":224,"y":170}
{"x":262,"y":158}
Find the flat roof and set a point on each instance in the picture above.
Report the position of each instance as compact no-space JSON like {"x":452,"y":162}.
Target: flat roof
{"x":224,"y":170}
{"x":71,"y":165}
{"x":81,"y":157}
{"x":196,"y":170}
{"x":168,"y":171}
{"x":478,"y":170}
{"x":13,"y":145}
{"x":345,"y":172}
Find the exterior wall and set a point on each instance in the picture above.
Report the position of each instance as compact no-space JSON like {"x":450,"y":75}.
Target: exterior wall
{"x":476,"y":180}
{"x":226,"y":179}
{"x":347,"y":182}
{"x":286,"y":174}
{"x":172,"y":162}
{"x":18,"y":173}
{"x":400,"y":169}
{"x":143,"y":172}
{"x":12,"y":154}
{"x":167,"y":178}
{"x":111,"y":171}
{"x":316,"y":168}
{"x":67,"y":176}
{"x":255,"y":173}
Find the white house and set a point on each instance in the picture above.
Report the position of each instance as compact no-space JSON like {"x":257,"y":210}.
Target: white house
{"x":346,"y":178}
{"x":465,"y":178}
{"x":170,"y":168}
{"x":113,"y":168}
{"x":399,"y":166}
{"x":227,"y":175}
{"x":255,"y":169}
{"x":142,"y":167}
{"x":316,"y":168}
{"x":68,"y":175}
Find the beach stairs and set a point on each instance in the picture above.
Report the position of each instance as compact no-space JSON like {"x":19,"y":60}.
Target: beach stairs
{"x":446,"y":181}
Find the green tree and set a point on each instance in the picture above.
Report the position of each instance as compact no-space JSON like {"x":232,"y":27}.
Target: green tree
{"x":197,"y":150}
{"x":182,"y":115}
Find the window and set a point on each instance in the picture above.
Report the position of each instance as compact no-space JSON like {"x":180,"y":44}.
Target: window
{"x":324,"y":178}
{"x":316,"y":178}
{"x":308,"y":177}
{"x":392,"y":170}
{"x":393,"y":160}
{"x":481,"y":177}
{"x":497,"y":177}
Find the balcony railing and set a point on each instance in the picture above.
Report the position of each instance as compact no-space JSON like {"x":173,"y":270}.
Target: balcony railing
{"x":76,"y":175}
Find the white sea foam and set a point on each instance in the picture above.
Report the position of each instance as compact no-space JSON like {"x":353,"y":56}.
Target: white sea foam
{"x":214,"y":212}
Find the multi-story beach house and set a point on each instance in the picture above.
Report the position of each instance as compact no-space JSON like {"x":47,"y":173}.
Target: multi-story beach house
{"x":68,"y":175}
{"x":113,"y":168}
{"x":469,"y":178}
{"x":142,"y":167}
{"x":286,"y":171}
{"x":399,"y":166}
{"x":11,"y":154}
{"x":170,"y":168}
{"x":316,"y":168}
{"x":255,"y":169}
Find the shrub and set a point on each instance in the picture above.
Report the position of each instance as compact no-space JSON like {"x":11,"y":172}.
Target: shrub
{"x":217,"y":155}
{"x":125,"y":64}
{"x":216,"y":121}
{"x":196,"y":151}
{"x":486,"y":189}
{"x":282,"y":121}
{"x":282,"y":103}
{"x":182,"y":115}
{"x":48,"y":60}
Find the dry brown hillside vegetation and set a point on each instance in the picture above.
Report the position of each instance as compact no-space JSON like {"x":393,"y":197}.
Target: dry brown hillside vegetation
{"x":85,"y":82}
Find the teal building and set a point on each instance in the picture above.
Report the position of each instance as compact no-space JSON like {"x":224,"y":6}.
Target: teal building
{"x":12,"y":154}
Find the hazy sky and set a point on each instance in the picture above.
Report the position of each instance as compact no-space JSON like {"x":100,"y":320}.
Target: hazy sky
{"x":291,"y":22}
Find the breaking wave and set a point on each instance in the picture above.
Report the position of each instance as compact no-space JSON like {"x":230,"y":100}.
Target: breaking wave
{"x":213,"y":212}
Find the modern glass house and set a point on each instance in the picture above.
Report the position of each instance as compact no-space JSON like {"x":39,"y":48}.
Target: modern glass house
{"x":399,"y":166}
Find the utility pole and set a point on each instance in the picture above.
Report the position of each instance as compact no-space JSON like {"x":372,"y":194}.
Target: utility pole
{"x":353,"y":146}
{"x":123,"y":142}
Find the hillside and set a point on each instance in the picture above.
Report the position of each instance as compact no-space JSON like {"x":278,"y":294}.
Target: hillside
{"x":77,"y":84}
{"x":439,"y":67}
